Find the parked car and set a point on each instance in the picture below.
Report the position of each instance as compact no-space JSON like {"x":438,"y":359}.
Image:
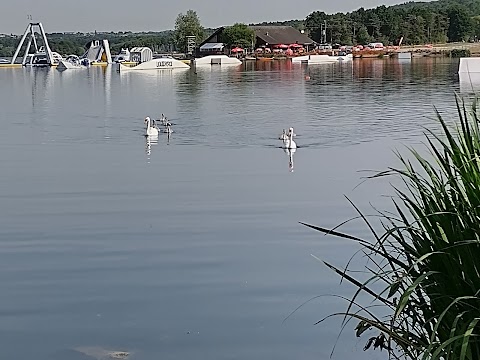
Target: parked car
{"x":376,"y":46}
{"x":324,"y":47}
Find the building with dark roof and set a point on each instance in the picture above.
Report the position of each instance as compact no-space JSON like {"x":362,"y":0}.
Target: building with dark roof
{"x":266,"y":36}
{"x":276,"y":35}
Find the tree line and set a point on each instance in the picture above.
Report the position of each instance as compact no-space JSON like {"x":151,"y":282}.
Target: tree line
{"x":412,"y":22}
{"x":77,"y":43}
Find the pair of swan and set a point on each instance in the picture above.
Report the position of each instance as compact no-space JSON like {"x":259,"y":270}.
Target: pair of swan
{"x":287,"y":139}
{"x":167,"y":124}
{"x":165,"y":121}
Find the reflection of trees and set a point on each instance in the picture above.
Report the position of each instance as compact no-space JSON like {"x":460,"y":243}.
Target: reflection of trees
{"x":42,"y":81}
{"x":190,"y":84}
{"x":190,"y":89}
{"x":42,"y":96}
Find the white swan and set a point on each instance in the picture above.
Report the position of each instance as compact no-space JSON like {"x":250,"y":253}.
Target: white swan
{"x":289,"y":143}
{"x":150,"y":130}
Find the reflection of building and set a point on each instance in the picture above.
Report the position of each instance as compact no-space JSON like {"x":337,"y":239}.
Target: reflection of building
{"x":265,"y":36}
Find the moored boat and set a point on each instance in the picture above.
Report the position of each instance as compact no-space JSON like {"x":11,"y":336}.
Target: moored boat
{"x":73,"y":62}
{"x":217,"y":60}
{"x":321,"y":59}
{"x":124,"y":55}
{"x":142,"y":59}
{"x":39,"y":58}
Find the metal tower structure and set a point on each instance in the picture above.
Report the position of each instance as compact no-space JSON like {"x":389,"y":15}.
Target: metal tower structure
{"x":30,"y":30}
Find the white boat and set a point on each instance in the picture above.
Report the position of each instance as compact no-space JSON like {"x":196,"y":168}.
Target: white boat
{"x":4,"y":61}
{"x":73,"y":62}
{"x":404,"y":56}
{"x":124,"y":55}
{"x":469,"y":65}
{"x":469,"y":74}
{"x":142,"y":57}
{"x":39,"y":58}
{"x":321,"y":59}
{"x":217,"y":60}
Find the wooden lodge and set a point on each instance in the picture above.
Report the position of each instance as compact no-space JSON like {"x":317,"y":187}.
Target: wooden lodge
{"x":269,"y":37}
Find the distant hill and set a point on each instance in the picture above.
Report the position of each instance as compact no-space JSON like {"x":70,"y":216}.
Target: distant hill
{"x":297,"y":24}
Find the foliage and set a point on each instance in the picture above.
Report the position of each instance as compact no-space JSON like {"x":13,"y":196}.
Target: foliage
{"x":461,"y":24}
{"x":424,"y":268}
{"x":188,"y":25}
{"x":76,"y":43}
{"x":238,"y":35}
{"x":416,"y":22}
{"x":297,"y":24}
{"x":459,"y":53}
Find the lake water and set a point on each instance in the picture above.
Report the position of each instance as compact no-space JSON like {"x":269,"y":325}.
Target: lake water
{"x":191,"y":247}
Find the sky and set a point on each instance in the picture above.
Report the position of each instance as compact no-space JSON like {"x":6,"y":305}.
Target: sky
{"x":157,"y":15}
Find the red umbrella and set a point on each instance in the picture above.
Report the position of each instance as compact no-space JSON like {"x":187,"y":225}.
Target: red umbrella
{"x":295,"y":45}
{"x":281,"y":46}
{"x":237,"y":49}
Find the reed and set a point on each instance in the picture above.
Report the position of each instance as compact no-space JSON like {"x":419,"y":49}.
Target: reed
{"x":424,"y":265}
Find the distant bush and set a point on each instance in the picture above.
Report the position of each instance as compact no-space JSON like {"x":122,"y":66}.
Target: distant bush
{"x":457,"y":53}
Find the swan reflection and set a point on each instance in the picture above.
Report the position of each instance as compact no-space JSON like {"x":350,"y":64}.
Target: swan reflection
{"x":290,"y":153}
{"x":149,"y":140}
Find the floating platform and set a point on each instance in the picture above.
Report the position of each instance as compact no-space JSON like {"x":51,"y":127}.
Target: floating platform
{"x":10,"y":66}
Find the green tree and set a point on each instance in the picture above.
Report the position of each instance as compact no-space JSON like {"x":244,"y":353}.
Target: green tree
{"x":362,"y":36}
{"x":461,"y":25}
{"x":476,"y":26}
{"x":238,"y":35}
{"x":188,"y":25}
{"x":314,"y":23}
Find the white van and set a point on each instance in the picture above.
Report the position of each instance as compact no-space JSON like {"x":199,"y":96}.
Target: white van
{"x":376,"y":46}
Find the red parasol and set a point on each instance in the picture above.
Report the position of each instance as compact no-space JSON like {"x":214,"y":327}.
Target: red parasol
{"x":237,"y":49}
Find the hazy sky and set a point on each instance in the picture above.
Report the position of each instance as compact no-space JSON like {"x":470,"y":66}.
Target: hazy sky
{"x":150,"y":15}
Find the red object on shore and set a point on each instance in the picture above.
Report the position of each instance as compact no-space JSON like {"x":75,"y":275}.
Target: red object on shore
{"x":237,"y":49}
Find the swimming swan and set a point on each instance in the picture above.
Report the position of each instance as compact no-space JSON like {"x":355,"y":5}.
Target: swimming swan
{"x":150,"y":130}
{"x":163,"y":120}
{"x":289,"y":143}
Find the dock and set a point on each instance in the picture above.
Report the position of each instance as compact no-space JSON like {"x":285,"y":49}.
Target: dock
{"x":10,"y":66}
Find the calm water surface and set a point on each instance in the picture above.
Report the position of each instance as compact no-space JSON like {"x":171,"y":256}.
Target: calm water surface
{"x":190,"y":247}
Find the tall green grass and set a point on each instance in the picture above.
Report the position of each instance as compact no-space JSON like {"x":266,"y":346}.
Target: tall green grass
{"x":424,"y":266}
